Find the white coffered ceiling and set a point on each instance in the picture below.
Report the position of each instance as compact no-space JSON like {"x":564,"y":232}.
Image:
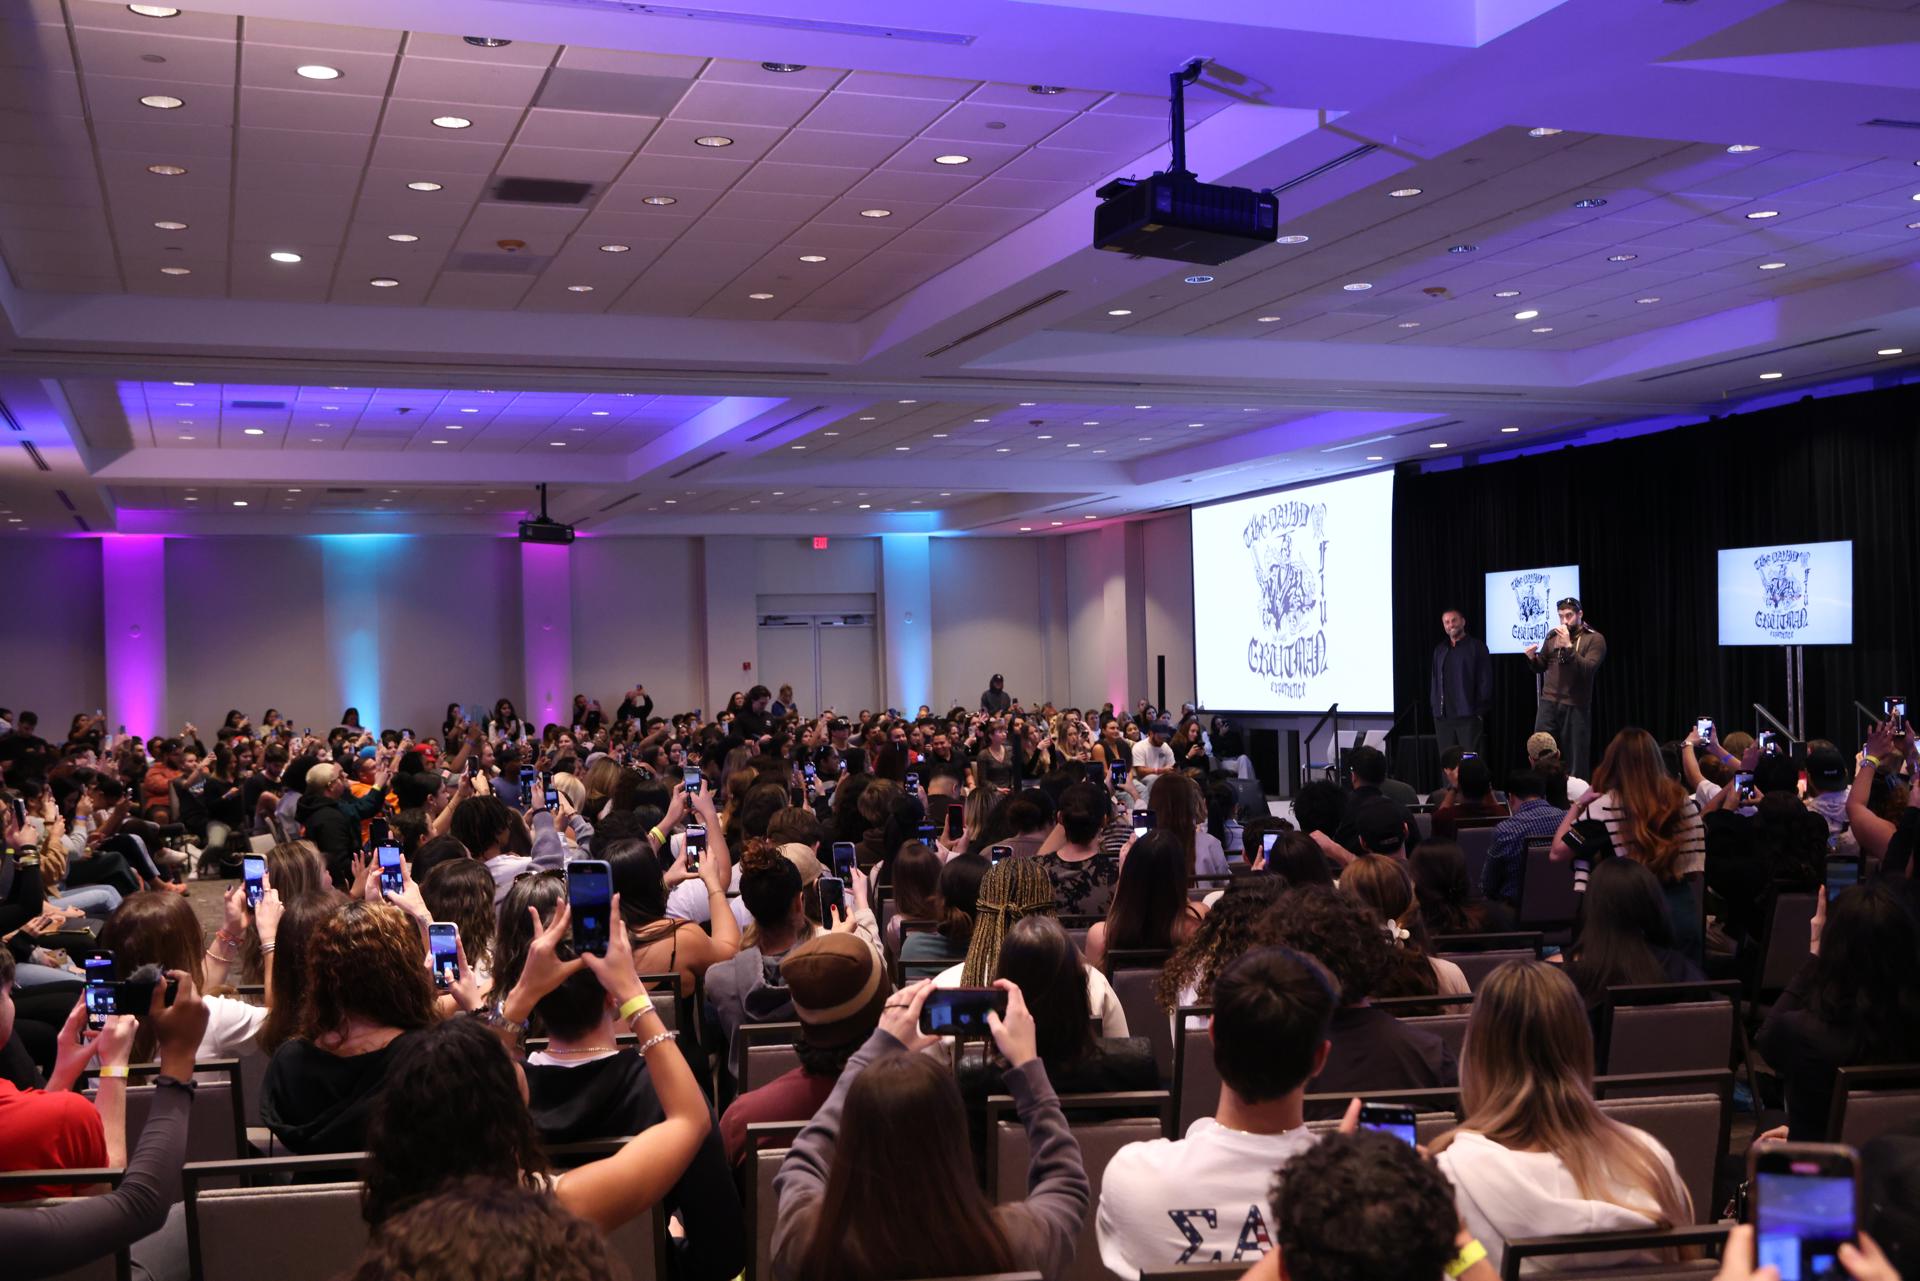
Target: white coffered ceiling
{"x":819,"y":272}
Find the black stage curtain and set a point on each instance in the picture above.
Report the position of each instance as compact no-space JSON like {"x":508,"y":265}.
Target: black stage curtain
{"x":1643,"y":519}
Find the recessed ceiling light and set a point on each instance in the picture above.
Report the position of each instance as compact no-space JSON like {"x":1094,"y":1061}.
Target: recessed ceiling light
{"x":1046,"y":90}
{"x":1462,"y":249}
{"x":453,"y":427}
{"x":1772,"y":266}
{"x":1196,"y":424}
{"x":783,"y":68}
{"x":1027,"y":404}
{"x":383,"y":282}
{"x":1889,"y":351}
{"x":1265,"y":320}
{"x":1654,"y":298}
{"x":952,"y":158}
{"x":402,"y":237}
{"x":761,"y":297}
{"x":558,"y":444}
{"x":1143,"y":406}
{"x":317,"y":71}
{"x":1401,"y":193}
{"x":284,"y":255}
{"x":1003,"y":450}
{"x":169,"y":224}
{"x":186,"y":438}
{"x":1740,"y":147}
{"x":167,"y":171}
{"x":154,"y":10}
{"x":1291,"y":240}
{"x":1507,"y":293}
{"x":1508,"y":431}
{"x":1542,"y":132}
{"x":1913,"y":226}
{"x":423,"y":186}
{"x":1120,"y":311}
{"x":876,"y":213}
{"x":183,"y":384}
{"x":1025,"y":529}
{"x":1438,"y":444}
{"x":579,"y":289}
{"x":901,"y":449}
{"x":601,"y":413}
{"x":1357,"y":286}
{"x":192,"y":498}
{"x":1621,"y":257}
{"x":1408,"y":324}
{"x":452,"y":122}
{"x":615,"y":249}
{"x":486,"y":42}
{"x":1591,"y":202}
{"x":1043,"y":438}
{"x":1375,"y":458}
{"x":1525,"y":315}
{"x":1199,"y":280}
{"x":176,"y":271}
{"x":713,"y":140}
{"x":162,"y":101}
{"x":1770,"y":377}
{"x":255,"y":431}
{"x":1758,"y":214}
{"x":796,"y":446}
{"x":439,"y":442}
{"x":239,"y":502}
{"x":464,"y":411}
{"x":1091,"y":422}
{"x":659,"y":200}
{"x":1544,"y":329}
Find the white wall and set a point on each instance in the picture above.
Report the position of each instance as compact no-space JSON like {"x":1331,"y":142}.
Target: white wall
{"x":637,"y":619}
{"x":989,"y":615}
{"x":51,"y":660}
{"x":1169,"y":603}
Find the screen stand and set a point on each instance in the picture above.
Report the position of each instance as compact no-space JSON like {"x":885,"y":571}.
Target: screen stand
{"x":1796,"y":692}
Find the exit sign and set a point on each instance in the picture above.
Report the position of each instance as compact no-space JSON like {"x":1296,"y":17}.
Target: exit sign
{"x":819,"y":542}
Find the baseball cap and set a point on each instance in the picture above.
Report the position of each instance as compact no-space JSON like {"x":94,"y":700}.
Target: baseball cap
{"x":802,"y":857}
{"x":1826,"y":768}
{"x":1377,"y":822}
{"x":1541,"y":744}
{"x":838,"y":987}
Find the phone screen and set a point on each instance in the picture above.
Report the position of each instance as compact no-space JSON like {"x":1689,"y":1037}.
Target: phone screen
{"x":1799,"y":1221}
{"x":391,"y":877}
{"x":527,"y":776}
{"x":100,"y":991}
{"x":254,"y":869}
{"x":1389,"y":1118}
{"x":913,"y":782}
{"x":1142,"y":823}
{"x":1896,"y":707}
{"x":1118,"y":772}
{"x":1704,"y":728}
{"x":1743,"y":786}
{"x":956,"y":821}
{"x":696,"y":845}
{"x":843,"y":860}
{"x":553,"y":800}
{"x":810,"y":771}
{"x":1094,"y":774}
{"x":927,"y":834}
{"x":1769,"y":741}
{"x":961,"y":1011}
{"x":590,"y":895}
{"x":833,"y":899}
{"x":691,"y":778}
{"x":1267,"y":841}
{"x":443,"y":937}
{"x":999,"y":852}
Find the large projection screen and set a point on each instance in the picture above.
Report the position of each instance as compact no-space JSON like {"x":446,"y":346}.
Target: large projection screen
{"x":1787,"y":594}
{"x":1521,"y":605}
{"x":1293,"y":599}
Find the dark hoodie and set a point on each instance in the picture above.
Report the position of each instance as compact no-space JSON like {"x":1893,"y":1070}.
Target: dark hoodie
{"x":333,"y":825}
{"x":316,"y":1102}
{"x":747,"y":988}
{"x":612,"y":1098}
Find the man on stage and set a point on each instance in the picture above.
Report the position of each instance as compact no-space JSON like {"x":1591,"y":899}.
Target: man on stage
{"x":1570,"y":657}
{"x":1462,"y":685}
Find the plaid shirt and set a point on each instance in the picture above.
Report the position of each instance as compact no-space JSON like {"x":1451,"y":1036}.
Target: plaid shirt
{"x":1500,"y":878}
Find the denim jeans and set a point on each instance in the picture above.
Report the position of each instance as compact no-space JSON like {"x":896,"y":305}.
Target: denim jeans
{"x":94,"y":900}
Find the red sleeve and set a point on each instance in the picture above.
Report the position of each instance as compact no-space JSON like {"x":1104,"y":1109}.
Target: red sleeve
{"x":78,"y":1136}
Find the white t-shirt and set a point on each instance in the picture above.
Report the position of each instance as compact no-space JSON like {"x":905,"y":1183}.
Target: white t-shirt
{"x":1203,"y":1199}
{"x":688,"y":901}
{"x":1102,"y":1004}
{"x":231,"y":1027}
{"x":1146,"y":754}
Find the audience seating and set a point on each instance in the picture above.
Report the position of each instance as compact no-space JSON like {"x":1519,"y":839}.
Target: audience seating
{"x":1548,"y":900}
{"x":766,"y":1051}
{"x":1196,"y":1083}
{"x":1669,"y":1027}
{"x":1451,"y":1027}
{"x":1479,"y":955}
{"x":1783,"y":950}
{"x":913,"y":925}
{"x":1869,"y":1101}
{"x":1129,"y":1117}
{"x":1519,"y":1251}
{"x":216,"y":1123}
{"x":1476,"y":843}
{"x":767,"y":1144}
{"x":1135,"y":975}
{"x":1693,"y":1125}
{"x":111,"y":1267}
{"x":1404,"y":1006}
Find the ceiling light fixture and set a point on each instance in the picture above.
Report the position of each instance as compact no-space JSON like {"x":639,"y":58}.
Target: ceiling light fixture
{"x":1438,"y":444}
{"x":1375,"y":458}
{"x":180,"y":384}
{"x":1771,"y":376}
{"x":1508,"y":431}
{"x":952,"y":158}
{"x":1027,"y":404}
{"x":907,"y":402}
{"x":1291,"y":240}
{"x":1507,"y":293}
{"x":713,"y":140}
{"x":876,"y":213}
{"x":1357,"y":286}
{"x":154,"y":10}
{"x":1591,"y":202}
{"x":1644,"y":301}
{"x":1462,"y":249}
{"x":176,"y":271}
{"x":167,"y":171}
{"x":659,"y":200}
{"x":1621,"y":257}
{"x":439,"y":442}
{"x":284,"y":255}
{"x":1408,"y":324}
{"x":1889,"y":351}
{"x":762,"y":297}
{"x":1265,"y":320}
{"x":452,"y":122}
{"x":1528,"y":314}
{"x":1772,"y":266}
{"x":383,"y":282}
{"x":239,"y":502}
{"x":813,"y":257}
{"x":423,"y":186}
{"x":1120,"y":311}
{"x":1544,"y":329}
{"x":162,"y":101}
{"x":579,"y":289}
{"x":486,"y":42}
{"x":317,"y":71}
{"x":1740,"y":148}
{"x":783,"y":68}
{"x":1199,"y":280}
{"x":615,"y":249}
{"x":1401,"y":193}
{"x":1758,"y":214}
{"x":402,"y":237}
{"x":169,"y":224}
{"x":1542,"y":132}
{"x":254,"y":431}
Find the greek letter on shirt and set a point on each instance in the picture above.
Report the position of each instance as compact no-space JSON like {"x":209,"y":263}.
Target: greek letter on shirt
{"x":1254,"y":1239}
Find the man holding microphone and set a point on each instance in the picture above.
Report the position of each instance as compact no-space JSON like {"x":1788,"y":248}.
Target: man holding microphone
{"x":1570,"y":657}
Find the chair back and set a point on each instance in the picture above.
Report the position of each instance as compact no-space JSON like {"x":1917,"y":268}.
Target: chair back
{"x":1670,"y":1027}
{"x":1476,"y":842}
{"x":115,"y":1265}
{"x":1196,"y":1081}
{"x":1547,"y":897}
{"x":1427,"y":1126}
{"x":1538,"y":1250}
{"x":1692,"y":1128}
{"x":1477,"y":965}
{"x":311,"y":1231}
{"x":1134,"y":976}
{"x":1784,"y":949}
{"x":1869,"y":1101}
{"x":764,"y":1051}
{"x":1124,"y":1118}
{"x":767,"y":1144}
{"x":1450,"y":1027}
{"x":216,"y":1120}
{"x":665,"y":991}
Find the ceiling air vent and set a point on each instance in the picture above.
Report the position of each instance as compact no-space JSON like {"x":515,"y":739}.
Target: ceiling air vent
{"x":498,"y":264}
{"x":696,"y":466}
{"x":542,"y":191}
{"x":256,"y":404}
{"x":347,"y":490}
{"x":34,"y":454}
{"x":991,"y":325}
{"x":1882,"y":122}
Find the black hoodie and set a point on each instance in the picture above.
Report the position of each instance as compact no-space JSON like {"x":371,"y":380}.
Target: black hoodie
{"x":316,"y":1102}
{"x":614,"y":1097}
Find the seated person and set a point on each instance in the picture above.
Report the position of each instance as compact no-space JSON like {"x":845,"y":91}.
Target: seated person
{"x":1165,"y":1203}
{"x":924,"y":953}
{"x":1472,"y":799}
{"x":1363,"y":1206}
{"x":1533,"y":816}
{"x":1013,"y":890}
{"x":1372,"y":1050}
{"x":1626,"y":935}
{"x":1781,"y":845}
{"x":1083,"y":874}
{"x":836,"y":986}
{"x":58,"y":1128}
{"x":487,"y":1229}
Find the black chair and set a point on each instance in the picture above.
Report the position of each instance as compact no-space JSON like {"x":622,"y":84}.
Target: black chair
{"x":1196,"y":1270}
{"x":1690,"y":1115}
{"x":1869,"y":1101}
{"x":1196,"y":1081}
{"x":1548,"y":900}
{"x":1710,"y":1237}
{"x":1783,"y":947}
{"x":1476,"y":843}
{"x":1135,"y":975}
{"x":117,"y":1266}
{"x":1403,"y":1006}
{"x":217,"y":1119}
{"x":766,"y":1051}
{"x":1669,"y":1027}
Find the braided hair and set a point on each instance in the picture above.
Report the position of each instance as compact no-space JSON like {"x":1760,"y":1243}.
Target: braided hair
{"x":1012,"y":890}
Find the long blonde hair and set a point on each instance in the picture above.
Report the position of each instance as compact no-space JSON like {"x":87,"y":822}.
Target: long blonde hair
{"x":1526,"y":1073}
{"x":1649,"y":799}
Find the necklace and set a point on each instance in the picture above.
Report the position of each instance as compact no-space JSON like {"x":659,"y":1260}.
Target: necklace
{"x":583,"y":1049}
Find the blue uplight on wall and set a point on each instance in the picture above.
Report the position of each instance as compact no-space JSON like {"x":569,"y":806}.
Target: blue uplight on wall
{"x":353,"y":569}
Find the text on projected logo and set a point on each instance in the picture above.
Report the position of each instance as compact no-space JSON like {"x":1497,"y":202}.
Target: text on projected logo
{"x":1786,"y":579}
{"x":1288,"y":543}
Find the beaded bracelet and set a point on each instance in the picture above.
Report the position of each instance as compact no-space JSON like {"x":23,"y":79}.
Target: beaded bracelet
{"x":652,"y":1041}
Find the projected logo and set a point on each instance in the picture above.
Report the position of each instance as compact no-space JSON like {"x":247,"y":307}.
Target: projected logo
{"x":1531,"y":595}
{"x":1288,"y":545}
{"x":1786,"y":579}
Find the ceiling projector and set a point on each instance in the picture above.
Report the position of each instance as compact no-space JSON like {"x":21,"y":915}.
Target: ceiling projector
{"x":1174,"y":215}
{"x":543,"y":528}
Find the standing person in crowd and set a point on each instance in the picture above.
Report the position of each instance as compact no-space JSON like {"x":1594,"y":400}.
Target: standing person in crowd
{"x":331,"y":815}
{"x":859,"y":1200}
{"x":1461,"y":685}
{"x":1781,"y":845}
{"x":1166,"y":1203}
{"x":1570,"y":657}
{"x":994,"y":700}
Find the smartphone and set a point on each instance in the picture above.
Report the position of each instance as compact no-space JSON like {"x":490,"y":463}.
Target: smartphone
{"x":1094,"y":772}
{"x":443,"y":940}
{"x":1743,"y":786}
{"x":1142,"y":823}
{"x":961,"y":1011}
{"x":473,"y":766}
{"x":1806,"y":1200}
{"x":1895,"y":706}
{"x":527,"y":777}
{"x":844,"y":860}
{"x":913,"y":781}
{"x":811,"y":772}
{"x":696,"y":845}
{"x":1769,"y":742}
{"x":833,"y":898}
{"x":927,"y":834}
{"x":391,"y":877}
{"x":590,"y":897}
{"x":100,"y":990}
{"x":378,"y":833}
{"x":956,"y":821}
{"x":1703,"y":726}
{"x":253,"y":868}
{"x":1394,"y":1118}
{"x":553,"y":800}
{"x":1117,"y":771}
{"x":998,"y":852}
{"x":1469,"y":756}
{"x":1267,"y":841}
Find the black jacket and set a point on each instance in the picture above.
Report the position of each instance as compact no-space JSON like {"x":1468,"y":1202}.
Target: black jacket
{"x":1474,"y":677}
{"x":613,"y":1098}
{"x":333,"y":825}
{"x":315,"y":1102}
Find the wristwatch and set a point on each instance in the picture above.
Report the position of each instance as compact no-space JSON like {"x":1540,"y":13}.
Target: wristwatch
{"x":176,"y":1082}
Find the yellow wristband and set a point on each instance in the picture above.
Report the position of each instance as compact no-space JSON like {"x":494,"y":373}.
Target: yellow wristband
{"x":656,"y":836}
{"x":113,"y":1072}
{"x":633,"y":1005}
{"x":1872,"y":762}
{"x":1470,"y":1253}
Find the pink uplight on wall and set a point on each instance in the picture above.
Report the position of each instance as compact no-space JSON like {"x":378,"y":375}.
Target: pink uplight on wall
{"x":133,"y":583}
{"x":546,"y":623}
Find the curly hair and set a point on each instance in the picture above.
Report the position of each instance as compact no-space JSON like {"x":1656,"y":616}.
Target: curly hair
{"x":366,"y":960}
{"x":482,"y":1229}
{"x":1223,"y":934}
{"x":1384,"y":885}
{"x":1336,"y":929}
{"x":1012,"y":890}
{"x":1363,"y":1207}
{"x":450,"y":1106}
{"x":769,"y":882}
